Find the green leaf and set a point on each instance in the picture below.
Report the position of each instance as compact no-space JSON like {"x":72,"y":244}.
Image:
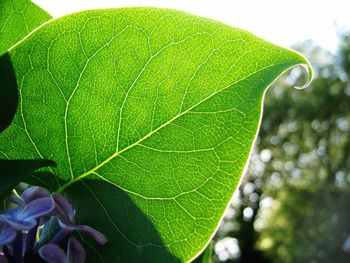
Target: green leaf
{"x":150,"y":115}
{"x":206,"y":256}
{"x":17,"y":19}
{"x":14,"y":171}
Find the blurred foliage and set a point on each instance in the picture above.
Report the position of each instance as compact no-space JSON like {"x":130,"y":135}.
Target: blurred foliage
{"x":294,"y":202}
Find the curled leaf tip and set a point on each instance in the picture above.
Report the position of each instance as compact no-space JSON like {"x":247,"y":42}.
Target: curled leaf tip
{"x":309,"y":71}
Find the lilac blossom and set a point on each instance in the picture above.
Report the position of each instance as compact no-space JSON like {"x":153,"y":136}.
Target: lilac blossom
{"x":25,"y":217}
{"x":7,"y":234}
{"x":54,"y":254}
{"x":19,"y":227}
{"x":67,"y":222}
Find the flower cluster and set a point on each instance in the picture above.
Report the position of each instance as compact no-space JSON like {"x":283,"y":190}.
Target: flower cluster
{"x":19,"y":228}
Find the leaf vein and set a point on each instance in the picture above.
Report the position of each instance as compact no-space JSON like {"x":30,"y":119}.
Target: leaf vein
{"x":117,"y":153}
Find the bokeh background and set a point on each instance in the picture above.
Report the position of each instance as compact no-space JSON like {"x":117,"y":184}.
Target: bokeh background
{"x":294,"y":201}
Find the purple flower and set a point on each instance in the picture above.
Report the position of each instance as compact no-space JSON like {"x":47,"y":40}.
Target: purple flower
{"x":19,"y":227}
{"x":64,"y":209}
{"x":54,"y":254}
{"x":34,"y":192}
{"x":7,"y":234}
{"x":24,"y":218}
{"x":67,"y":223}
{"x":28,"y":195}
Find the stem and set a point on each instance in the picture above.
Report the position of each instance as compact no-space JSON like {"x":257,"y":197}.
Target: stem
{"x":5,"y":250}
{"x":18,"y":248}
{"x":31,"y":237}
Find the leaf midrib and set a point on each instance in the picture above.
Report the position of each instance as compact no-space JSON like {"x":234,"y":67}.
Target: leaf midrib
{"x":117,"y":153}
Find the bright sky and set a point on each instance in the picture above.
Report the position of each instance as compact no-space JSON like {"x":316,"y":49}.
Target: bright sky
{"x":279,"y":21}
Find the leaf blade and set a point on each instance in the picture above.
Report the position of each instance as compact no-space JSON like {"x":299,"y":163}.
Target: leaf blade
{"x":164,"y":108}
{"x":18,"y":19}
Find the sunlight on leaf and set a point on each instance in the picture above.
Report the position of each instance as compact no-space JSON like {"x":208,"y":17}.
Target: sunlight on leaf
{"x":150,"y":115}
{"x":17,"y":19}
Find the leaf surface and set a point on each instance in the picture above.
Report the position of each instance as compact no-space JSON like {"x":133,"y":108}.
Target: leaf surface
{"x":206,"y":256}
{"x":150,"y":115}
{"x":17,"y":19}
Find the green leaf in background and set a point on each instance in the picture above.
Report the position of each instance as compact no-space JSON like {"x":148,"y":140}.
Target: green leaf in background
{"x":17,"y":19}
{"x":150,"y":115}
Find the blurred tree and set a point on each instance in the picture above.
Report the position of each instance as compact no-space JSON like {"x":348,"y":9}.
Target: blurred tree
{"x":294,"y":202}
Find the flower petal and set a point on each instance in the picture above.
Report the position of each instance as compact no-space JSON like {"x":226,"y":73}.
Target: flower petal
{"x":52,"y":254}
{"x":34,"y":192}
{"x":75,"y":253}
{"x":98,"y":236}
{"x":14,"y":218}
{"x":7,"y":234}
{"x":38,"y":207}
{"x":66,"y":211}
{"x":23,"y":225}
{"x":3,"y":219}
